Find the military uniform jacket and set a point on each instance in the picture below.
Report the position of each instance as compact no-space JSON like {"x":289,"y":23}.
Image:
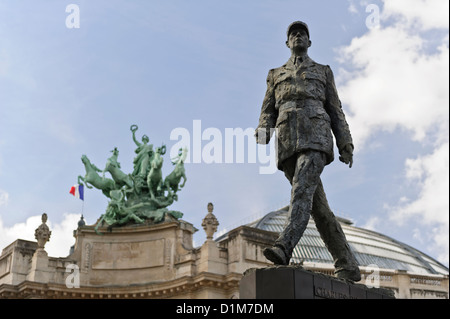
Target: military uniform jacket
{"x":302,"y":103}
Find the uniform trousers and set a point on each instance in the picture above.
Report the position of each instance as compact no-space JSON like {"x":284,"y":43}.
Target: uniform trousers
{"x":308,"y":198}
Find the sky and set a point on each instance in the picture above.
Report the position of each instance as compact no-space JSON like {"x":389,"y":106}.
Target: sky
{"x":75,"y":75}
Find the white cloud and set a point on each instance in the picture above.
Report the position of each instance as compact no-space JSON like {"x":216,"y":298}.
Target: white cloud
{"x":398,"y":79}
{"x":20,"y":230}
{"x":426,"y":14}
{"x":441,"y":238}
{"x":62,"y":235}
{"x":397,"y":84}
{"x":431,"y":174}
{"x":61,"y":238}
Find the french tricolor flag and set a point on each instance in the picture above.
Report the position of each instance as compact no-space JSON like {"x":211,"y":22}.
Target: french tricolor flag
{"x":77,"y":191}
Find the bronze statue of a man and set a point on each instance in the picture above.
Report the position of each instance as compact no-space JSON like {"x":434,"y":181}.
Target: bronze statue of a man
{"x":303,"y":106}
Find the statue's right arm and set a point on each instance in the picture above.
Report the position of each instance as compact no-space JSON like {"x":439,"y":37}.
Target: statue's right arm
{"x":269,"y":114}
{"x":135,"y":140}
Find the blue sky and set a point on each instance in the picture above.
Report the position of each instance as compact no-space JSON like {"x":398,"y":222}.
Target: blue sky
{"x":161,"y":65}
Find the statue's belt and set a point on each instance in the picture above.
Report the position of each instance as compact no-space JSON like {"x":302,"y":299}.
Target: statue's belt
{"x":299,"y":104}
{"x":302,"y":108}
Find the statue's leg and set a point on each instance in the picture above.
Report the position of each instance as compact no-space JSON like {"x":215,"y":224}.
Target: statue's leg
{"x":309,"y":166}
{"x":149,"y":184}
{"x":151,"y":188}
{"x":289,"y":168}
{"x":332,"y":235}
{"x":144,"y":166}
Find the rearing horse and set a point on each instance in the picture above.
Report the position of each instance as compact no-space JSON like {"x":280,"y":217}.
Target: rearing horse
{"x":92,"y":177}
{"x":113,"y":167}
{"x":172,"y":181}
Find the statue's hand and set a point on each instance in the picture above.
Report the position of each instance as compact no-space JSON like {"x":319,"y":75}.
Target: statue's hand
{"x":347,"y":155}
{"x":262,"y":136}
{"x":133,"y":128}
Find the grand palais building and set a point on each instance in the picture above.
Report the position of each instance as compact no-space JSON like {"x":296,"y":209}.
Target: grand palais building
{"x":159,"y":261}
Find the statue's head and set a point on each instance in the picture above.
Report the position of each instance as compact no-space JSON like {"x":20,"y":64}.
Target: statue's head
{"x":183,"y":153}
{"x":298,"y":36}
{"x":145,"y":139}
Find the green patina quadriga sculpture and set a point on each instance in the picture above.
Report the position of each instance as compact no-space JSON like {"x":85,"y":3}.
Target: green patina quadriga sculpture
{"x":143,"y":195}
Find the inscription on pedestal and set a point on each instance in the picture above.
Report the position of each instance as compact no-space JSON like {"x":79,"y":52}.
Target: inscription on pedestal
{"x":330,"y":294}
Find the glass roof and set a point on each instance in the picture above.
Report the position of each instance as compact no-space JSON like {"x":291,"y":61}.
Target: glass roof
{"x":368,"y":246}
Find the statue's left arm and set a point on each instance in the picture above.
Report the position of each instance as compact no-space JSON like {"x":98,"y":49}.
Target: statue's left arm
{"x":339,"y":124}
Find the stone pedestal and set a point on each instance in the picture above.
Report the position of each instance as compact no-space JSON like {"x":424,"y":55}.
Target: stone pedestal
{"x":293,"y":282}
{"x":39,"y":271}
{"x":134,"y":254}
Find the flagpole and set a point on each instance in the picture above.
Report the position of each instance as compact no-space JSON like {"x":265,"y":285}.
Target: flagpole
{"x":78,"y":191}
{"x":82,"y":199}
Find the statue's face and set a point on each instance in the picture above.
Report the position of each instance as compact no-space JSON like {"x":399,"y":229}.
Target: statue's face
{"x":145,"y":139}
{"x":298,"y":39}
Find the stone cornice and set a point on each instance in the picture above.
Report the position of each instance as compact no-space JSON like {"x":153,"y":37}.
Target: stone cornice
{"x":182,"y":287}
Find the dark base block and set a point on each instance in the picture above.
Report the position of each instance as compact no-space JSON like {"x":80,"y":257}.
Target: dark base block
{"x":294,"y":282}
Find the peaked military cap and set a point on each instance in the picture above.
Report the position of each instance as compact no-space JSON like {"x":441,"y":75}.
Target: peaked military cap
{"x":300,"y":24}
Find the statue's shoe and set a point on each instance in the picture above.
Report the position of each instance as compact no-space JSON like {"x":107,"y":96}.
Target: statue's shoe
{"x":276,"y":255}
{"x":349,"y":274}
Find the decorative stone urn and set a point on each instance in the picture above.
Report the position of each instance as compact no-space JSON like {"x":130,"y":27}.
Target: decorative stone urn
{"x":210,"y":223}
{"x":42,"y":233}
